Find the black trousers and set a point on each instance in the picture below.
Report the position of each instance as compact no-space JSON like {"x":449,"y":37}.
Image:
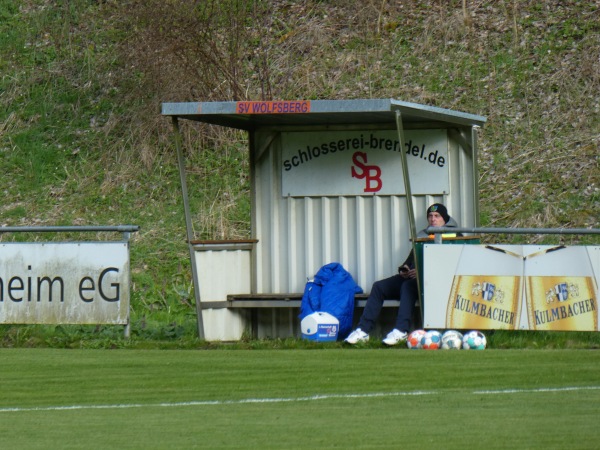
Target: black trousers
{"x":393,"y":288}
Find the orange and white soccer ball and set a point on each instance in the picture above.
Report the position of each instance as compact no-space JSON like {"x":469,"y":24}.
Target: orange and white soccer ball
{"x":414,"y":339}
{"x":431,"y":340}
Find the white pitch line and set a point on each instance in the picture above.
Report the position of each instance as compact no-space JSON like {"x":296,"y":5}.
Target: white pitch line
{"x":284,"y":399}
{"x":219,"y":402}
{"x":536,"y":390}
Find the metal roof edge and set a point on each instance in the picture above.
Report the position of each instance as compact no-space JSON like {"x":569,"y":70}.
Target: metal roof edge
{"x":329,"y":106}
{"x":439,"y":113}
{"x":316,"y":106}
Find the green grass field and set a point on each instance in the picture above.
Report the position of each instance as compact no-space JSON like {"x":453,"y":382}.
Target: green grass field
{"x":328,"y":398}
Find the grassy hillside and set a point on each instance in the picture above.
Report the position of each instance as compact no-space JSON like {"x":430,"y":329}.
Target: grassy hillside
{"x":82,"y":141}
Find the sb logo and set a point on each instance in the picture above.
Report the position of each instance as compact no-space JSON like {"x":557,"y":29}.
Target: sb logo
{"x":372,"y":174}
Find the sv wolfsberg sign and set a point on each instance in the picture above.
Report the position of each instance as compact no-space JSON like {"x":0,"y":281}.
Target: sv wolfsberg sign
{"x":64,"y":283}
{"x":512,"y":287}
{"x":363,"y":163}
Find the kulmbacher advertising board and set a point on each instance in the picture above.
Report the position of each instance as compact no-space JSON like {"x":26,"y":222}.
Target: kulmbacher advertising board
{"x":363,"y":163}
{"x":526,"y":287}
{"x":64,"y":283}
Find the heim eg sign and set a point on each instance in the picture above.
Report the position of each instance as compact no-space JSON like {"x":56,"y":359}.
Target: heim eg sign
{"x":366,"y":162}
{"x":64,"y":283}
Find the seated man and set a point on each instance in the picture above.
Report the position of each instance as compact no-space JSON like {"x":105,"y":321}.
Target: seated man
{"x":402,"y":286}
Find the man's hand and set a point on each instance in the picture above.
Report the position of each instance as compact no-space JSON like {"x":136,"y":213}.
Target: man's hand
{"x":406,"y":272}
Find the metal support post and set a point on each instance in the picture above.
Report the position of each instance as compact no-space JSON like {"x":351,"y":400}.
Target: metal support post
{"x":188,"y":225}
{"x":409,"y":204}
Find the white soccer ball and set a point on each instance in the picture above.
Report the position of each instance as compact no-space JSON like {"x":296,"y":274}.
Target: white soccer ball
{"x":474,"y":340}
{"x":414,"y":339}
{"x":452,"y":340}
{"x":431,"y":340}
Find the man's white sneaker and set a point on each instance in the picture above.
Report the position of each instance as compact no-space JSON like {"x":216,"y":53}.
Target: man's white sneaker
{"x":394,"y":337}
{"x":357,"y":336}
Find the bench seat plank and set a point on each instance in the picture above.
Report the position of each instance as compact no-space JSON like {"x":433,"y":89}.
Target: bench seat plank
{"x":288,"y":300}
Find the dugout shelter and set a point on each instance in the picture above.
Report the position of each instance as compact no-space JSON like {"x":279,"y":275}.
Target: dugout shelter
{"x":345,"y":181}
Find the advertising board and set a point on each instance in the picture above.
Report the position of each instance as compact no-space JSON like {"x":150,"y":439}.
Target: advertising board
{"x":527,"y":287}
{"x":64,"y":283}
{"x":363,"y":163}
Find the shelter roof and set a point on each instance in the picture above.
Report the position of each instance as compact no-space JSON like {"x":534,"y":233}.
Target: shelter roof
{"x":249,"y":115}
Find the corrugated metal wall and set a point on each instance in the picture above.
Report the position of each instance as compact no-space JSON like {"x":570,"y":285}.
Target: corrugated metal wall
{"x":368,"y":235}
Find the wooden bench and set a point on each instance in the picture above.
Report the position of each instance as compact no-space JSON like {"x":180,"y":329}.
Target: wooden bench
{"x":256,"y":302}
